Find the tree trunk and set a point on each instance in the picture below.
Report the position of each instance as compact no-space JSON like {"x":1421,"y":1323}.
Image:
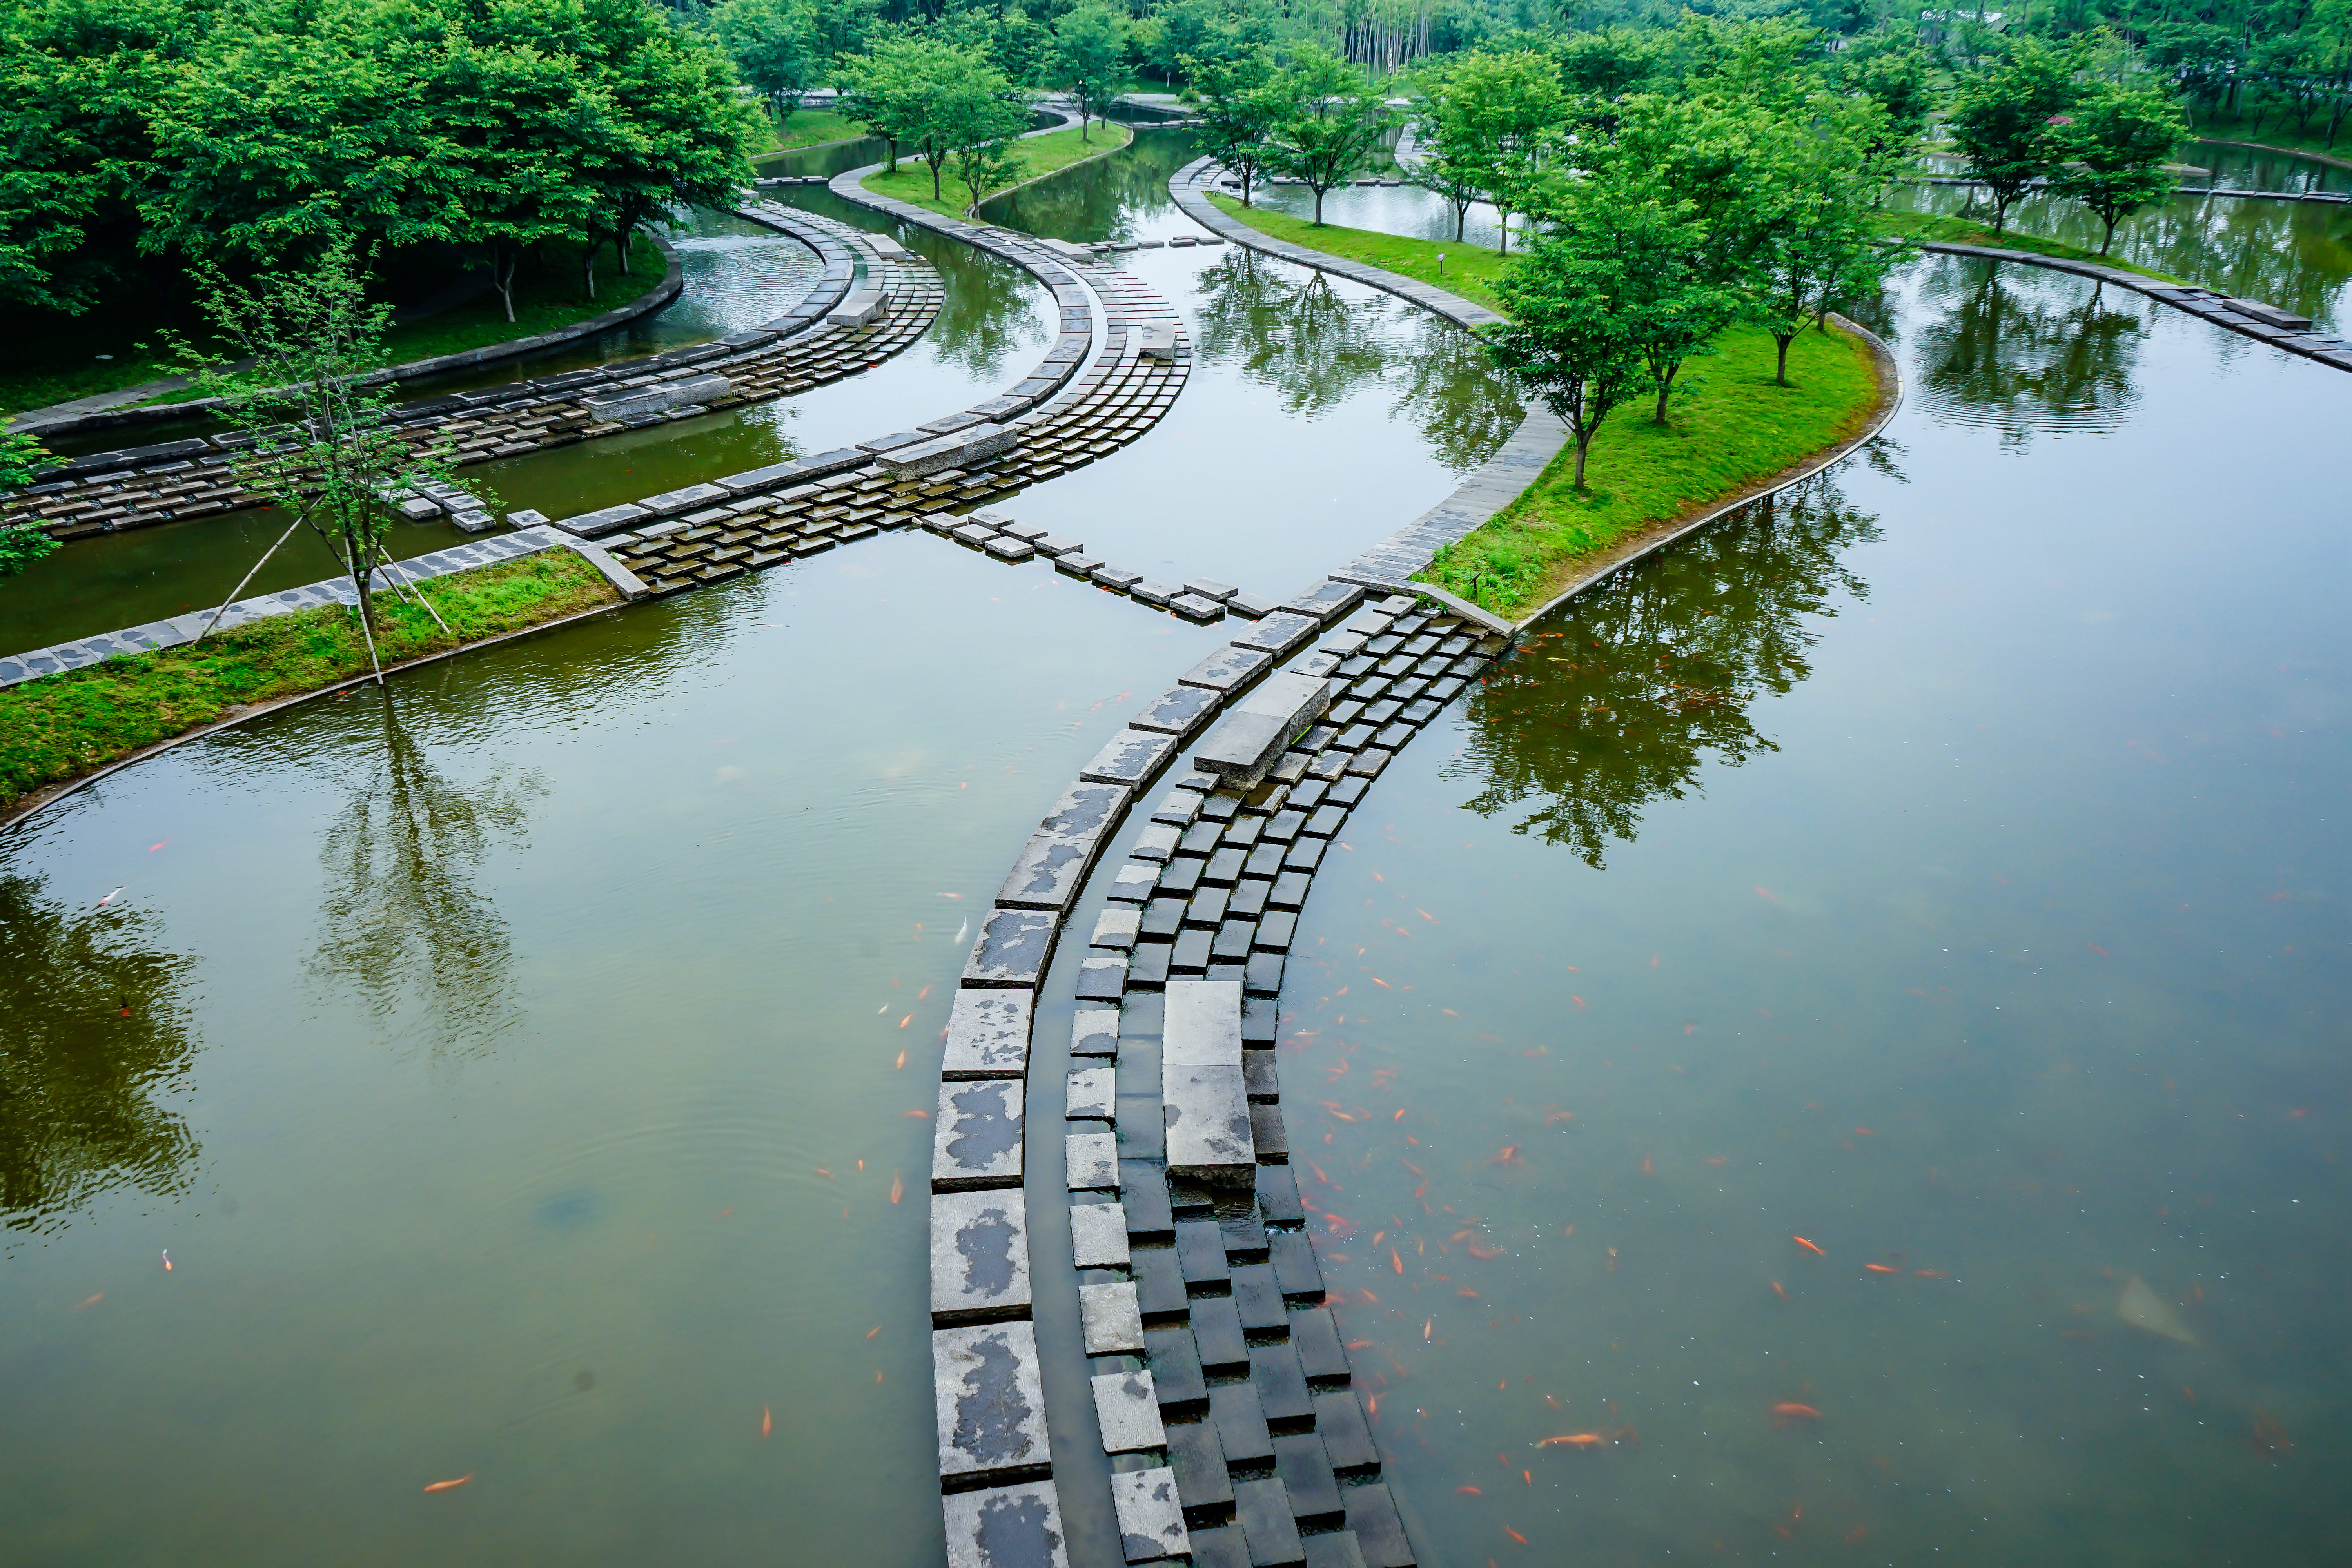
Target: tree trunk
{"x":588,"y":267}
{"x":503,"y":274}
{"x":1503,"y":228}
{"x":1461,"y":220}
{"x":1245,"y":187}
{"x":935,"y":178}
{"x":1665,"y":386}
{"x":1783,"y":339}
{"x":2108,"y":243}
{"x":1583,"y":445}
{"x":1318,"y":206}
{"x":893,"y":142}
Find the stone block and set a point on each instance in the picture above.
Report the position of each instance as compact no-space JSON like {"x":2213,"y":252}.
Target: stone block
{"x":964,"y":449}
{"x":1131,"y":757}
{"x":1262,"y":1508}
{"x":1277,"y":1190}
{"x":1333,"y":1548}
{"x":595,"y":524}
{"x":1200,"y":1252}
{"x":1241,"y":1423}
{"x":634,"y":402}
{"x":1305,"y":1471}
{"x":1151,"y":1519}
{"x":1125,"y":1405}
{"x":1153,"y":340}
{"x":990,"y":1404}
{"x":1217,"y":1333}
{"x":1281,"y":1386}
{"x":1219,"y":1546}
{"x":1315,"y":1335}
{"x":1177,"y":713}
{"x":977,"y":1141}
{"x":980,"y":1258}
{"x":1202,"y":1024}
{"x":1118,"y":577}
{"x":1259,"y":728}
{"x":1176,"y":1375}
{"x":1258,"y":1298}
{"x":1149,"y":591}
{"x":1209,"y":1131}
{"x":1228,"y":669}
{"x":1085,"y":811}
{"x":1048,"y":873}
{"x":1268,"y":1134}
{"x":1134,"y":883}
{"x":1209,"y":588}
{"x":1346,"y":1437}
{"x":1092,"y":1161}
{"x":1006,"y":1527}
{"x":1110,"y":1322}
{"x":1012,"y":948}
{"x":1196,"y":609}
{"x":1250,"y":606}
{"x":1292,"y":1255}
{"x":1158,"y":842}
{"x":988,"y":1035}
{"x":1199,"y":1461}
{"x":1098,"y":1236}
{"x":1158,"y":1283}
{"x":1144,"y":1189}
{"x":1094,"y":1032}
{"x":1117,"y":926}
{"x":1326,"y":601}
{"x":1380,"y":1533}
{"x":1092,"y":1093}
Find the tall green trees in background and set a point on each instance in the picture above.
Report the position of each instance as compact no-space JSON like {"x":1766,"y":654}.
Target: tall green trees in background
{"x":1241,"y":104}
{"x":2000,"y":120}
{"x":1489,"y":121}
{"x":1331,"y":120}
{"x":2114,"y":146}
{"x":1090,"y":59}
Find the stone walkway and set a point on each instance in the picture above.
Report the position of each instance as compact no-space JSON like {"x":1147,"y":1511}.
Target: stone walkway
{"x":809,"y":345}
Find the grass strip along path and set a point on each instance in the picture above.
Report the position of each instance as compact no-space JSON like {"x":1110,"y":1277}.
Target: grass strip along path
{"x":1032,"y":156}
{"x":1728,"y":429}
{"x":61,"y":726}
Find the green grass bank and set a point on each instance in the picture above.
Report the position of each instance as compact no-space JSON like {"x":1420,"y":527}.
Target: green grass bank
{"x":1968,"y":231}
{"x":1470,"y":270}
{"x":813,"y":128}
{"x":62,"y":726}
{"x":1032,"y":157}
{"x":1731,"y":432}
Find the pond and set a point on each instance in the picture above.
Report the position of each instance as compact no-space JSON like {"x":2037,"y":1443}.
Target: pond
{"x":1937,"y":867}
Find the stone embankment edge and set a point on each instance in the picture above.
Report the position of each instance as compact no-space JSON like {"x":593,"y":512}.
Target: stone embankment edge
{"x":672,"y":284}
{"x":1658,"y":536}
{"x":49,"y":794}
{"x":971,"y":213}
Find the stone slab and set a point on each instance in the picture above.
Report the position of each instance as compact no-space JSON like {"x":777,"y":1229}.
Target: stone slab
{"x":1125,"y":1405}
{"x":1012,"y":948}
{"x":1202,"y":1024}
{"x":1256,"y":730}
{"x":1092,"y":1161}
{"x":1228,"y":669}
{"x":988,"y":1035}
{"x":1098,"y":1236}
{"x":1093,"y":1093}
{"x":1240,"y":1417}
{"x":1379,"y":1531}
{"x":1048,"y":873}
{"x":1150,"y":1519}
{"x":1117,"y":927}
{"x":1085,"y":811}
{"x":1333,"y":1548}
{"x":1292,"y":1255}
{"x":1315,"y":1335}
{"x":1281,"y":1388}
{"x":980,"y":1258}
{"x":1179,"y":711}
{"x":1281,"y":634}
{"x":1263,"y":1510}
{"x":1209,"y":1136}
{"x":1094,"y":1032}
{"x":1131,"y":757}
{"x":1176,"y":1375}
{"x":1006,"y":1527}
{"x":1217,"y":1333}
{"x":990,"y":1404}
{"x":1347,"y":1436}
{"x":1110,"y":1322}
{"x":1199,"y":1461}
{"x":1305,"y":1471}
{"x":977,"y":1141}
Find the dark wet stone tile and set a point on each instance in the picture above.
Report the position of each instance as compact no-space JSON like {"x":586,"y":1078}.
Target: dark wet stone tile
{"x":1292,"y":1255}
{"x":1249,"y":896}
{"x":1281,"y":1386}
{"x":1182,"y":874}
{"x":1143,"y":1191}
{"x":1260,"y":1017}
{"x":1142,"y":1129}
{"x":1206,"y":910}
{"x":1289,"y":890}
{"x":1315,"y":1337}
{"x":1006,"y":1527}
{"x":1333,"y":1548}
{"x":1234,"y":940}
{"x":1274,"y":934}
{"x":1219,"y":1546}
{"x":1201,"y":838}
{"x":1198,"y":1458}
{"x":1380,"y":1533}
{"x":1102,"y":977}
{"x":1278,"y":1194}
{"x":1176,"y":1375}
{"x":1192,"y":952}
{"x":1159,"y":1282}
{"x":1148,"y":965}
{"x":1347,"y":792}
{"x":1262,"y":1508}
{"x":1241,"y":1423}
{"x":1263,"y":974}
{"x":1163,"y":918}
{"x":1347,"y":1436}
{"x":1245,"y":1231}
{"x":1304,"y":1472}
{"x":1258,"y":1298}
{"x":1224,"y":867}
{"x":1200,"y":1252}
{"x":1217,"y":1332}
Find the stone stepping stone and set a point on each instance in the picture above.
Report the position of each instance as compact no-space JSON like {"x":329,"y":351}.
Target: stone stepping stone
{"x":1131,"y":757}
{"x":979,"y":1256}
{"x":1092,"y":1161}
{"x":1110,"y":1322}
{"x":988,"y":1035}
{"x":1094,"y":1032}
{"x":990,"y":1404}
{"x":1011,"y":949}
{"x":1126,"y":1409}
{"x":1262,"y":1508}
{"x":1098,"y":1236}
{"x":1378,"y":1532}
{"x":1347,"y":1436}
{"x":1006,"y":1527}
{"x":977,"y":1142}
{"x":1150,"y":1519}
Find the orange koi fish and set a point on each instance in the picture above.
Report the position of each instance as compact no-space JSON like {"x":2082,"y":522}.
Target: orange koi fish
{"x":767,"y":1422}
{"x":1809,"y":1246}
{"x":1881,"y":1269}
{"x":1789,"y":1413}
{"x":445,"y":1486}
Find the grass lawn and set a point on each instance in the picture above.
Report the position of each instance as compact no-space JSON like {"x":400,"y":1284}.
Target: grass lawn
{"x":1469,"y":268}
{"x":61,"y":726}
{"x":56,"y":360}
{"x":1032,"y":156}
{"x":1967,"y":231}
{"x":1732,"y":429}
{"x":808,"y":127}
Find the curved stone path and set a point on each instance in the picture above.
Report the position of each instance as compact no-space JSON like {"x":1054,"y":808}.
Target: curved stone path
{"x":812,"y":343}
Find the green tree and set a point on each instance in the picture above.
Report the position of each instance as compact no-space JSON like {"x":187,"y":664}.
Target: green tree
{"x":1331,"y":120}
{"x":1610,"y":62}
{"x":775,"y":47}
{"x":322,"y":444}
{"x":2000,"y":120}
{"x":887,"y":88}
{"x":1240,"y":107}
{"x":2117,"y":143}
{"x":1090,"y":59}
{"x":22,"y":461}
{"x":1489,"y":121}
{"x":1810,"y":243}
{"x":1577,"y":299}
{"x":1896,"y":75}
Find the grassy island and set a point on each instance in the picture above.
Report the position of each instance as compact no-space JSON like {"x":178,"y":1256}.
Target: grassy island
{"x":62,"y":726}
{"x":1032,"y":156}
{"x":1469,"y":268}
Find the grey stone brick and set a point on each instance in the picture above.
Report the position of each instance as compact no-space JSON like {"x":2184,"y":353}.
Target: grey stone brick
{"x":1199,"y":1460}
{"x":1333,"y":1548}
{"x":1115,"y":927}
{"x":1315,"y":1337}
{"x":1098,"y":1236}
{"x":1151,"y":1519}
{"x":1092,"y":1161}
{"x":1143,"y":1189}
{"x":1012,"y":948}
{"x":1228,"y":669}
{"x":1263,"y":1510}
{"x":1217,"y":1333}
{"x":1346,"y":1437}
{"x":1109,"y":1321}
{"x":1094,"y":1032}
{"x":1277,"y":1192}
{"x":1281,"y":1386}
{"x":1101,"y":978}
{"x":979,"y":1256}
{"x":990,"y":1402}
{"x":1241,"y":1423}
{"x":1292,"y":1254}
{"x":1006,"y":1527}
{"x":988,"y":1035}
{"x":1305,"y":1471}
{"x":1131,"y":757}
{"x":977,"y":1142}
{"x":1257,"y":1299}
{"x":1048,"y":873}
{"x":1176,"y":1375}
{"x":1177,"y":711}
{"x":1200,"y":1252}
{"x":1380,"y":1533}
{"x":1125,"y":1404}
{"x":1158,"y":1283}
{"x":1092,"y":1091}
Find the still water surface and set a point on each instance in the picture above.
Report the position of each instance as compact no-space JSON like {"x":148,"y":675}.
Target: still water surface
{"x":1946,"y":868}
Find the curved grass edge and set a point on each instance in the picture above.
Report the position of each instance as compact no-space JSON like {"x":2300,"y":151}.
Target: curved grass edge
{"x":949,"y":210}
{"x":45,"y":772}
{"x":1575,"y":574}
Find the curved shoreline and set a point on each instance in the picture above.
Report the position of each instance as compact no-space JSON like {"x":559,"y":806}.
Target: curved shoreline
{"x":672,"y":285}
{"x":2328,"y":159}
{"x":972,"y":211}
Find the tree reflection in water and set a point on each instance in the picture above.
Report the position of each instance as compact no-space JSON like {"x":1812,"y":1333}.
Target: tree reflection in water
{"x":92,"y":1027}
{"x":399,"y":922}
{"x":1288,"y":328}
{"x":1999,"y":353}
{"x":1622,"y":694}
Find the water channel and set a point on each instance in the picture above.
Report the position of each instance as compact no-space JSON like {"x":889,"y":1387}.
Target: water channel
{"x":1937,"y":866}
